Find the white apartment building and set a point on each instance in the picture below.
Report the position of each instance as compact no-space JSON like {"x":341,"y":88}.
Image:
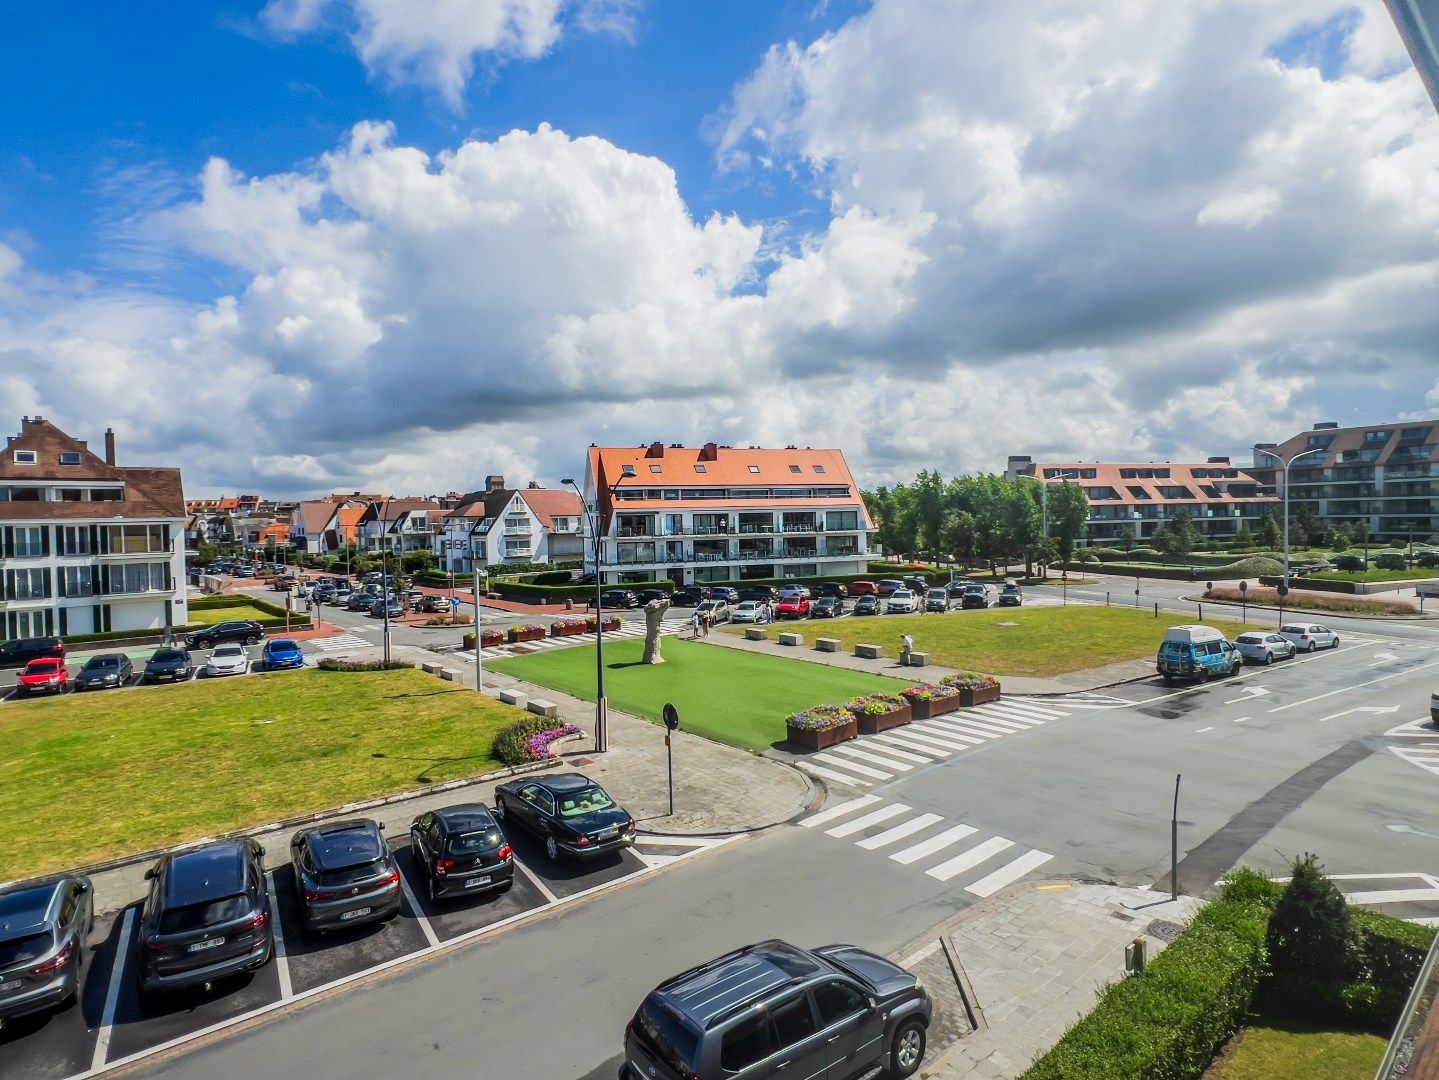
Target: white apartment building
{"x":512,"y":525}
{"x":85,"y":545}
{"x":723,"y":513}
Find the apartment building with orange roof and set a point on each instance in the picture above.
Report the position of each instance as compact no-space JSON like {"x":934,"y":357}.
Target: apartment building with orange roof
{"x":724,"y":513}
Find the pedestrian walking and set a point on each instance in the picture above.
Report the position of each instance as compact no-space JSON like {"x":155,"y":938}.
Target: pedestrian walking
{"x":695,"y":621}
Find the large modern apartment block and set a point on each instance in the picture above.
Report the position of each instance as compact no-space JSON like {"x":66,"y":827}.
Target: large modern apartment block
{"x":722,"y":513}
{"x":1384,"y":474}
{"x":85,"y":545}
{"x":1133,"y":499}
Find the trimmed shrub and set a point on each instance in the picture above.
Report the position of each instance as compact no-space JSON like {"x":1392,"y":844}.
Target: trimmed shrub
{"x":1311,"y":935}
{"x":1389,"y":561}
{"x":330,"y":663}
{"x":1106,"y":554}
{"x":1352,"y":564}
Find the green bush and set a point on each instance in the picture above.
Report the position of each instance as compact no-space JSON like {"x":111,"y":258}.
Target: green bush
{"x":1350,"y":563}
{"x":1311,"y":935}
{"x":512,"y":744}
{"x":330,"y":663}
{"x":1105,"y":554}
{"x":1168,"y":1023}
{"x":1390,"y":561}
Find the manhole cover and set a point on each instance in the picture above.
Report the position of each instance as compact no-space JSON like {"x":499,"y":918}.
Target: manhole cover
{"x":1164,"y":930}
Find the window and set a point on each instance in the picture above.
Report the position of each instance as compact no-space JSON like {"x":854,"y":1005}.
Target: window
{"x":74,"y":540}
{"x":754,"y":468}
{"x":748,"y":1042}
{"x":1372,"y":438}
{"x":657,"y":468}
{"x":1088,"y":474}
{"x":27,"y":457}
{"x":837,"y":1000}
{"x":819,"y":469}
{"x":1137,"y":492}
{"x":627,"y":470}
{"x":793,"y":1021}
{"x":701,"y":469}
{"x":794,"y":468}
{"x":69,"y":457}
{"x":76,"y":581}
{"x":27,"y":584}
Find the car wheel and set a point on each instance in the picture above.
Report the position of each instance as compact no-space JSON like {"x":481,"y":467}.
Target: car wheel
{"x":1312,"y":647}
{"x":252,"y":640}
{"x":499,"y":808}
{"x":1268,"y":659}
{"x":907,"y":1050}
{"x":1335,"y":643}
{"x":552,"y":849}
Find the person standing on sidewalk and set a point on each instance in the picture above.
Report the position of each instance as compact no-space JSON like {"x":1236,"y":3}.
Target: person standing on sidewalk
{"x":906,"y":646}
{"x":695,"y":621}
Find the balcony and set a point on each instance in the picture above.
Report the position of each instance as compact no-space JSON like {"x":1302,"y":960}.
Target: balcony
{"x":756,"y":529}
{"x":517,"y":530}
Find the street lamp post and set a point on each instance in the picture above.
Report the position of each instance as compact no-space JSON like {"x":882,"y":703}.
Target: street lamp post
{"x":384,"y":578}
{"x":602,"y":725}
{"x":1286,"y":464}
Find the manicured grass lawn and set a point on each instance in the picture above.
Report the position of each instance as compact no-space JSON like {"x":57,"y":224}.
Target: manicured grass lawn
{"x":211,"y":616}
{"x":733,"y":697}
{"x":1281,"y":1049}
{"x":1040,"y":641}
{"x":1411,"y":574}
{"x":92,"y":776}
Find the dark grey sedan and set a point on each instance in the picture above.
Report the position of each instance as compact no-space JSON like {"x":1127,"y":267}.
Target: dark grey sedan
{"x":104,"y":672}
{"x":168,"y":665}
{"x":344,"y":875}
{"x":42,"y":944}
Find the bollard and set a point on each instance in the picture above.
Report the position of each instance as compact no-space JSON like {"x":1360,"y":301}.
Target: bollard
{"x":1136,"y":954}
{"x":1156,"y":609}
{"x":1201,"y":612}
{"x":1106,"y":599}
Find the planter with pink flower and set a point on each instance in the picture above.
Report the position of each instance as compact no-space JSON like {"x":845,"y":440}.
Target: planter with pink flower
{"x":527,"y":632}
{"x":879,"y":712}
{"x":567,"y":627}
{"x":820,"y":727}
{"x":611,"y":622}
{"x":974,"y":688}
{"x":929,"y":700}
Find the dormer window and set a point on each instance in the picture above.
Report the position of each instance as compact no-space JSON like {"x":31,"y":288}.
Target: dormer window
{"x":27,"y":457}
{"x":627,"y":470}
{"x":70,"y":457}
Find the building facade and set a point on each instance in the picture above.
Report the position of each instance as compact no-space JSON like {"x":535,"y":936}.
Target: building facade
{"x":721,"y":513}
{"x":512,"y":525}
{"x":1131,"y":500}
{"x":1384,"y":475}
{"x":86,"y":546}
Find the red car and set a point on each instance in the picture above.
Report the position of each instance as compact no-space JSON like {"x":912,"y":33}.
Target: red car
{"x":46,"y":675}
{"x":793,"y":607}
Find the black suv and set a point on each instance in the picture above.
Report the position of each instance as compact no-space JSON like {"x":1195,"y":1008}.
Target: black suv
{"x":207,"y":916}
{"x":646,"y":595}
{"x":21,"y":651}
{"x":837,"y":1011}
{"x":42,"y":944}
{"x":764,"y":594}
{"x":619,"y":598}
{"x":837,"y":589}
{"x":345,"y":875}
{"x":243,"y":631}
{"x":461,"y":849}
{"x":688,"y":598}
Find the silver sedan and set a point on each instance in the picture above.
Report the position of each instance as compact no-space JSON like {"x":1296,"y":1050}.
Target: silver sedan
{"x":1264,"y":648}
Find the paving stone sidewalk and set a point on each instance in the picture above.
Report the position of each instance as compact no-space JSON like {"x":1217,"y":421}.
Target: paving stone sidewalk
{"x":1037,"y":956}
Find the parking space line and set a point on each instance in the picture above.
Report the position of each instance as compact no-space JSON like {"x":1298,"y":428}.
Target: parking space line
{"x":420,"y":917}
{"x":112,"y":992}
{"x":535,"y":880}
{"x":282,"y":959}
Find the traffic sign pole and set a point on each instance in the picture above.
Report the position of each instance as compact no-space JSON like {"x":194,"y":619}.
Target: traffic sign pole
{"x":672,"y":724}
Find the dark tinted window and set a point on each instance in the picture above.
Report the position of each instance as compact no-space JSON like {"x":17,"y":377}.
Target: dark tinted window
{"x":96,"y":662}
{"x":167,"y":656}
{"x":793,"y":1021}
{"x":349,"y":875}
{"x":836,"y":1000}
{"x":749,"y":1041}
{"x":665,"y":1037}
{"x":26,"y":950}
{"x":181,"y":920}
{"x":473,"y":843}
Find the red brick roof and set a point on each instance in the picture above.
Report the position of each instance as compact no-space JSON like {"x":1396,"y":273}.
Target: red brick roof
{"x":547,"y":503}
{"x":149,"y":493}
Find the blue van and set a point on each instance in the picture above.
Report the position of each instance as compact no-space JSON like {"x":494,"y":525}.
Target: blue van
{"x":1192,"y":651}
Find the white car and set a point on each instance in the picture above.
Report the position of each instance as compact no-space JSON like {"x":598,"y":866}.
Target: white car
{"x":786,"y":591}
{"x":901,"y":602}
{"x":1264,"y":648}
{"x":717,"y":611}
{"x":751,"y":611}
{"x":228,"y":660}
{"x":1306,"y":637}
{"x":341,"y":597}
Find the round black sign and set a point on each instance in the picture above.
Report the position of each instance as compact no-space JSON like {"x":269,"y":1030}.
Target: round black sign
{"x":1244,"y":586}
{"x":672,"y":717}
{"x":1283,"y":590}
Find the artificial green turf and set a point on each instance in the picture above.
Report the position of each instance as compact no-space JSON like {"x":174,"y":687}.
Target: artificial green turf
{"x":87,"y":777}
{"x":1033,"y":641}
{"x":1413,"y":573}
{"x":734,"y":697}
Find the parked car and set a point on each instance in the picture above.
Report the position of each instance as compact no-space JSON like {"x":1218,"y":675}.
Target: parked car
{"x":1264,"y":648}
{"x":47,"y":675}
{"x":862,"y":588}
{"x":647,"y":595}
{"x":901,"y":602}
{"x":244,"y":571}
{"x":168,"y":664}
{"x":936,"y":600}
{"x":21,"y":651}
{"x":323,"y":594}
{"x":280,"y":653}
{"x":43,"y":927}
{"x":619,"y":598}
{"x":434,"y":604}
{"x":793,"y":607}
{"x":866,"y":605}
{"x":104,"y":672}
{"x":342,"y":596}
{"x":345,"y":875}
{"x":688,"y":598}
{"x":888,"y":586}
{"x":836,"y":589}
{"x":827,"y":607}
{"x":764,"y":594}
{"x":974,"y":595}
{"x":229,"y":659}
{"x":958,"y":585}
{"x":1011,"y":596}
{"x":834,"y":1011}
{"x":243,"y":631}
{"x":717,"y":611}
{"x":207,"y":916}
{"x":461,"y":849}
{"x":1309,"y":636}
{"x":571,"y":813}
{"x":918,"y":583}
{"x":787,"y":592}
{"x":1193,"y":651}
{"x":384,"y":607}
{"x":748,"y":611}
{"x":360,"y":601}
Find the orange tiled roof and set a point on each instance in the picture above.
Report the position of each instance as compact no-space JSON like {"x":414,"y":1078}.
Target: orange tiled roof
{"x":1110,"y":475}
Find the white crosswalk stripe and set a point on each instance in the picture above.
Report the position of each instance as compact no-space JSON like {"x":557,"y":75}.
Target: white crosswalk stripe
{"x":916,"y":749}
{"x":970,"y":859}
{"x":852,"y":766}
{"x":628,"y":630}
{"x":874,"y":817}
{"x":839,"y":810}
{"x":933,"y":844}
{"x":899,"y":832}
{"x":880,"y":746}
{"x":830,"y":774}
{"x":873,"y":759}
{"x":936,"y":734}
{"x":1005,"y":875}
{"x":345,"y":643}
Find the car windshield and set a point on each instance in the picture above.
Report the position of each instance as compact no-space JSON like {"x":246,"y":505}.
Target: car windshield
{"x":228,"y":651}
{"x":349,"y":875}
{"x":167,"y":656}
{"x":182,"y":920}
{"x":1250,"y":639}
{"x":588,"y":801}
{"x":282,"y":645}
{"x":1293,"y":629}
{"x":97,"y":662}
{"x":42,"y":667}
{"x":473,"y":843}
{"x":25,"y":950}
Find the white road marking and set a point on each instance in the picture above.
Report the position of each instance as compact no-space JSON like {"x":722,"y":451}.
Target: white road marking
{"x":536,"y":882}
{"x":955,"y":731}
{"x":893,"y":751}
{"x":1006,"y":726}
{"x":874,"y":817}
{"x":1044,"y":712}
{"x":282,"y":959}
{"x":987,"y":886}
{"x":1392,"y":896}
{"x":839,"y":810}
{"x":1423,"y":728}
{"x":920,"y":750}
{"x":991,"y":727}
{"x":872,"y":758}
{"x":943,"y":738}
{"x":830,"y":774}
{"x":970,"y":859}
{"x":112,"y":993}
{"x":1357,"y":686}
{"x":900,"y":831}
{"x":420,"y":917}
{"x":1247,"y":693}
{"x":1201,"y":731}
{"x":1378,"y":710}
{"x":938,"y":842}
{"x":1021,"y":716}
{"x":664,"y":840}
{"x":921,"y":954}
{"x":852,"y":766}
{"x":1240,"y":719}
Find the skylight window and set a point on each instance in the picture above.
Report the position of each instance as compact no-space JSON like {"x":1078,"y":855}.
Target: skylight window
{"x":754,"y":468}
{"x":794,"y":468}
{"x":69,"y":457}
{"x":657,"y":468}
{"x":701,"y":469}
{"x":627,"y":470}
{"x":819,"y":468}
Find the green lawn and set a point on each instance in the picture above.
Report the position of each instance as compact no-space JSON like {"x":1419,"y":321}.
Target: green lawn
{"x":211,"y":616}
{"x":1281,"y":1049}
{"x":1413,"y":573}
{"x":734,"y":697}
{"x":89,"y":777}
{"x":1038,"y":641}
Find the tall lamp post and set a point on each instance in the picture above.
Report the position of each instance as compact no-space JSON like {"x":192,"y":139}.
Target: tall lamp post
{"x":602,"y":723}
{"x":385,"y":576}
{"x":1286,"y":464}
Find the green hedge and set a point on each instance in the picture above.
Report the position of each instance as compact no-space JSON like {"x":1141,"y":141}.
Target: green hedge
{"x":329,"y":663}
{"x":212,"y":603}
{"x":1168,"y":1023}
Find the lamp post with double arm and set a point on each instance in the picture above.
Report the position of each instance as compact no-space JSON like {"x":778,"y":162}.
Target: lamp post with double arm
{"x":602,"y":724}
{"x":1286,"y":464}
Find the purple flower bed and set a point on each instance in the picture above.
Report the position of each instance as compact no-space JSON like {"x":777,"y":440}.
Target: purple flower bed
{"x":540,"y":741}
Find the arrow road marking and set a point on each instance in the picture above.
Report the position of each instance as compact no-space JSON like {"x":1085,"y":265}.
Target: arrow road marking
{"x":1383,"y":658}
{"x":1248,"y":693}
{"x":1377,"y":710}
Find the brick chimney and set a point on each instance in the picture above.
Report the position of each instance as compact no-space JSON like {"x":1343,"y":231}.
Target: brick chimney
{"x":109,"y":446}
{"x":494,"y":483}
{"x":657,"y":449}
{"x":709,"y":452}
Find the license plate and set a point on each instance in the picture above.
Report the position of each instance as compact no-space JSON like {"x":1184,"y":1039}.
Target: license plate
{"x":6,"y":987}
{"x":201,"y":946}
{"x":348,"y":915}
{"x":475,"y":882}
{"x":608,"y":834}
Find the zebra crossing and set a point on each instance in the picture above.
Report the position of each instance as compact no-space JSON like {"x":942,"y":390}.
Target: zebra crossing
{"x":1424,"y":751}
{"x":626,"y":630}
{"x":343,"y":643}
{"x":953,"y":851}
{"x":872,"y":759}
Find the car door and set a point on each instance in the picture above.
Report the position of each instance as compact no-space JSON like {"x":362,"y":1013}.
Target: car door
{"x":803,"y":1050}
{"x":422,"y":839}
{"x":851,"y":1029}
{"x":528,"y":808}
{"x":1323,"y":635}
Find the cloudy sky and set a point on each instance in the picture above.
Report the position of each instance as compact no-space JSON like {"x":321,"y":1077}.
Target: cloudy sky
{"x":309,"y":245}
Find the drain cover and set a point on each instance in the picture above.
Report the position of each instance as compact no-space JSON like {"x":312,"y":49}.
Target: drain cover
{"x":1164,"y":930}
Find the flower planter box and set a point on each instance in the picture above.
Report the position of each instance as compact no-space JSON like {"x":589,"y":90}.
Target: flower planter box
{"x":516,"y":634}
{"x":609,"y":625}
{"x":467,"y":642}
{"x":927,"y":710}
{"x":873,"y":725}
{"x":806,"y":739}
{"x":490,"y":638}
{"x":560,"y":630}
{"x":983,"y":696}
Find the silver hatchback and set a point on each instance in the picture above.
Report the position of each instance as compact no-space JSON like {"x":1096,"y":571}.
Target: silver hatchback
{"x":1264,"y":648}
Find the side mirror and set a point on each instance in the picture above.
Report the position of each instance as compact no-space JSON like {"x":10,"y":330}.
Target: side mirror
{"x":381,"y":824}
{"x":150,"y":874}
{"x":82,"y":886}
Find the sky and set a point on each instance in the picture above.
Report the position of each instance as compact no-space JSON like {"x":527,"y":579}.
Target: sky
{"x":301,"y":246}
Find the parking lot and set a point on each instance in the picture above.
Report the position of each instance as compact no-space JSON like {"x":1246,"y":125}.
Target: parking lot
{"x":112,"y":1025}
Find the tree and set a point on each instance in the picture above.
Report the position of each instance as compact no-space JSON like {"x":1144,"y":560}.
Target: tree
{"x":1163,"y":539}
{"x":1311,"y":933}
{"x":1183,"y":532}
{"x":957,"y":536}
{"x":1304,"y":527}
{"x":1361,"y":536}
{"x":205,"y":553}
{"x":1068,"y":511}
{"x":1270,"y":536}
{"x":1024,"y":522}
{"x":928,"y":506}
{"x":1244,"y":538}
{"x":1043,"y":551}
{"x":1340,"y":538}
{"x":415,"y":561}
